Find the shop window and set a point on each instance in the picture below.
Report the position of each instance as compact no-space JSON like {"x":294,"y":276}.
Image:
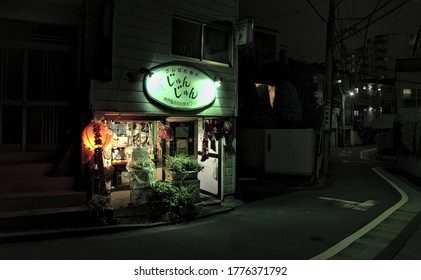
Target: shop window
{"x":129,"y":135}
{"x":200,"y":41}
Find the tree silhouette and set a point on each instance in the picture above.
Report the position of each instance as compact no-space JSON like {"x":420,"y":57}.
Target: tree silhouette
{"x":287,"y":105}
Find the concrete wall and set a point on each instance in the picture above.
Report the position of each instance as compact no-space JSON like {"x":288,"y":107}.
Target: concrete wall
{"x":410,"y":164}
{"x":291,"y":151}
{"x":251,"y":147}
{"x":385,"y":143}
{"x":282,"y":151}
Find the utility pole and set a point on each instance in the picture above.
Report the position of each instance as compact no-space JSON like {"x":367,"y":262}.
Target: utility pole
{"x":327,"y":93}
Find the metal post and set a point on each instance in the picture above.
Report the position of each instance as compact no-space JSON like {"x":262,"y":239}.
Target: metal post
{"x":343,"y":119}
{"x":101,"y":174}
{"x":327,"y":93}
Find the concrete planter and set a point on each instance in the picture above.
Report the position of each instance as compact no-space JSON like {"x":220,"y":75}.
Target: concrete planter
{"x":190,"y":211}
{"x":172,"y":176}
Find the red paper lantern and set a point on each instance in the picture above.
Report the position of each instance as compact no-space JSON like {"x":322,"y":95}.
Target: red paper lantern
{"x":96,"y":135}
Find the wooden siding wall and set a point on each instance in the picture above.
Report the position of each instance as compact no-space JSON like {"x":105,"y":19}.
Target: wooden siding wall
{"x":142,"y":38}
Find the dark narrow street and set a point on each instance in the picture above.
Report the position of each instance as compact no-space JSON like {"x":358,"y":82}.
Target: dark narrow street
{"x":303,"y":224}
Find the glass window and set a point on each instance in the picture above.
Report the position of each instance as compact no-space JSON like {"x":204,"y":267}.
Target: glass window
{"x":12,"y":130}
{"x":265,"y":47}
{"x":11,"y":61}
{"x":200,"y":41}
{"x":186,"y":38}
{"x":51,"y":75}
{"x":216,"y":45}
{"x":409,"y":98}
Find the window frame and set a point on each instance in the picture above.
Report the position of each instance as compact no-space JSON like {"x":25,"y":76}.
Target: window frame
{"x":203,"y":26}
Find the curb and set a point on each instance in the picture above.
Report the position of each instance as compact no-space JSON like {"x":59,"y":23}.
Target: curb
{"x":28,"y":236}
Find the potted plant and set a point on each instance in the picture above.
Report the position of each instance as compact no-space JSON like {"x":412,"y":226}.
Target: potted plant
{"x":188,"y":200}
{"x":161,"y":199}
{"x":100,"y":208}
{"x":182,"y":166}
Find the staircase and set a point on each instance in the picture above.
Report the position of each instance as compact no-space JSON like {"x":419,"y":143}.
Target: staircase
{"x":32,"y":199}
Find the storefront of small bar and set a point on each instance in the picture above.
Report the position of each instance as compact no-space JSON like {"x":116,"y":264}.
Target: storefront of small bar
{"x":171,"y":97}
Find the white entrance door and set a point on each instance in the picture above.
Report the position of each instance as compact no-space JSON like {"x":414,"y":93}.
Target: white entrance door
{"x":209,"y":176}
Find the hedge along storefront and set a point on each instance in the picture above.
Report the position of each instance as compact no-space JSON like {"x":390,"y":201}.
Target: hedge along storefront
{"x":164,"y":98}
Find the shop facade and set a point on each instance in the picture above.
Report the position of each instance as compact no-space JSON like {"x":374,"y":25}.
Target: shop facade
{"x":168,"y":86}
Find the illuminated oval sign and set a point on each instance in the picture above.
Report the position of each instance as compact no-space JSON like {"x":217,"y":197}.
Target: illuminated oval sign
{"x":180,"y":87}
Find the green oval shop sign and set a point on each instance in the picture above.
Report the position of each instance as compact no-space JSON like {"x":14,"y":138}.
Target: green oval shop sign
{"x":180,"y":87}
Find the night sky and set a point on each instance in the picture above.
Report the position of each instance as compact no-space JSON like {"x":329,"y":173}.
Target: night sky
{"x":302,"y":30}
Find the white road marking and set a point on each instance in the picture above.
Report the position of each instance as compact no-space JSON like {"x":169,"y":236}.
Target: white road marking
{"x":358,"y":234}
{"x":355,"y":205}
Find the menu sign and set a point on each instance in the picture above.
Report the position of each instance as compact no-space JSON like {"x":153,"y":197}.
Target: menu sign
{"x":180,"y":87}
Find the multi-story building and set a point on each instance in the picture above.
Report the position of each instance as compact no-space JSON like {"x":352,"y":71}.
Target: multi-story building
{"x":408,"y":85}
{"x":374,"y":72}
{"x":136,"y":65}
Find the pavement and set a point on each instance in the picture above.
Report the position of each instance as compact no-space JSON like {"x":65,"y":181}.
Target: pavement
{"x":406,"y":244}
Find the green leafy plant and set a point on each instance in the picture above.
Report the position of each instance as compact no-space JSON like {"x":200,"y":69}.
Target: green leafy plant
{"x":182,"y":163}
{"x":100,"y":208}
{"x":187,"y":196}
{"x":98,"y":203}
{"x":160,"y":199}
{"x":166,"y":198}
{"x":163,"y":194}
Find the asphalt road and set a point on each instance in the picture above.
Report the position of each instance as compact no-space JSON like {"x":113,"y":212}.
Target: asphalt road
{"x":298,"y":225}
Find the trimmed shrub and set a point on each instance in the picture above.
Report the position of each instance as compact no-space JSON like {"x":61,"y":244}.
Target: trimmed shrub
{"x":407,"y":133}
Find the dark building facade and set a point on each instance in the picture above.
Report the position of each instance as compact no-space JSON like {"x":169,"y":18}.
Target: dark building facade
{"x":69,"y":62}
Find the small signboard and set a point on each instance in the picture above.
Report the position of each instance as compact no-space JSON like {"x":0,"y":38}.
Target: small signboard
{"x":244,"y":31}
{"x":180,"y":87}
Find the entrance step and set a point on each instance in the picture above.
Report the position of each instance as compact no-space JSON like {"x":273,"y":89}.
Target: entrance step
{"x":21,"y":211}
{"x":209,"y":200}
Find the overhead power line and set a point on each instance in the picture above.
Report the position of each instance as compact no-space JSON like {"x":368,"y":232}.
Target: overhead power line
{"x":287,"y":14}
{"x":317,"y":12}
{"x":374,"y":21}
{"x":369,"y":16}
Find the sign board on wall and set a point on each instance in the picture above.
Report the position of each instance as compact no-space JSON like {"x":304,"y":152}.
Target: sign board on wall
{"x":244,"y":31}
{"x":180,"y":87}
